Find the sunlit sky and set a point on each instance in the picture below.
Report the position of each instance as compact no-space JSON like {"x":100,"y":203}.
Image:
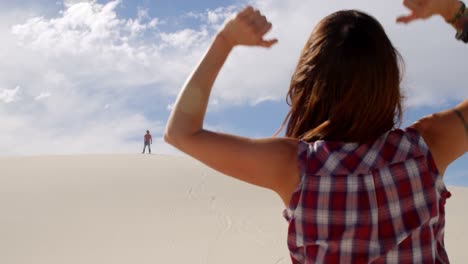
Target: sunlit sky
{"x":86,"y":77}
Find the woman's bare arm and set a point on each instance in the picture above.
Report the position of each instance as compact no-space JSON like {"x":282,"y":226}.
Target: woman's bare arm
{"x":269,"y":163}
{"x":446,"y":134}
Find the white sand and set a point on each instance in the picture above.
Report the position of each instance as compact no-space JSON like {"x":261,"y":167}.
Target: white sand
{"x":149,"y":209}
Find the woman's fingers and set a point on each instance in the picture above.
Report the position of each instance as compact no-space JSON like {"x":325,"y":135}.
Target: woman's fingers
{"x":260,"y":25}
{"x":265,"y":28}
{"x":407,"y":18}
{"x":419,"y":9}
{"x":268,"y":43}
{"x":256,"y":20}
{"x":415,"y":8}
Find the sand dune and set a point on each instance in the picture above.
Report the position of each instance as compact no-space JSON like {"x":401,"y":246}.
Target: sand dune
{"x":149,"y":209}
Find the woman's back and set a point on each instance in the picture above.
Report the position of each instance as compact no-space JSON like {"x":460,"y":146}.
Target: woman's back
{"x":379,"y":202}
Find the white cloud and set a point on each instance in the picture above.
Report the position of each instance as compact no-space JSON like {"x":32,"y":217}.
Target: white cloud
{"x":88,"y":41}
{"x":184,"y":38}
{"x":213,"y":17}
{"x":170,"y":107}
{"x":69,"y":3}
{"x":10,"y":95}
{"x":42,"y":96}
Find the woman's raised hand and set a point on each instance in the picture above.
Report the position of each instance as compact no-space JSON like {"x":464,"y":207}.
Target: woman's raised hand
{"x":423,"y":9}
{"x":247,"y":28}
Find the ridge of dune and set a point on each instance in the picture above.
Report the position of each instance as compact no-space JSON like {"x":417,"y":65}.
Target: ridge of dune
{"x":149,"y":209}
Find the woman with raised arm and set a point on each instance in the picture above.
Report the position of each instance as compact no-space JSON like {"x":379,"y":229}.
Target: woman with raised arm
{"x":356,"y":188}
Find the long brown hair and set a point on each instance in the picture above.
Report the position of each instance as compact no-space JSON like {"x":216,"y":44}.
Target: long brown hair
{"x":346,"y":86}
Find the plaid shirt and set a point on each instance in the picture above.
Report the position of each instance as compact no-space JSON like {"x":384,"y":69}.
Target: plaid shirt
{"x":368,"y":203}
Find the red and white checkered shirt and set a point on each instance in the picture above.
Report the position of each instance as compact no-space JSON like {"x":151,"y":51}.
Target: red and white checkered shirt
{"x":368,"y":203}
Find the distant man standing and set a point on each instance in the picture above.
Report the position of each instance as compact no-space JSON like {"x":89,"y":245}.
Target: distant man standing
{"x":148,"y":141}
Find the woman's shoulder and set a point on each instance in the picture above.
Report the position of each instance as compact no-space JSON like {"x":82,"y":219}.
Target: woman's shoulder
{"x":444,"y":134}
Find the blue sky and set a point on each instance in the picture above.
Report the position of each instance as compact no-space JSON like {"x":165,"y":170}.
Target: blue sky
{"x":84,"y":77}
